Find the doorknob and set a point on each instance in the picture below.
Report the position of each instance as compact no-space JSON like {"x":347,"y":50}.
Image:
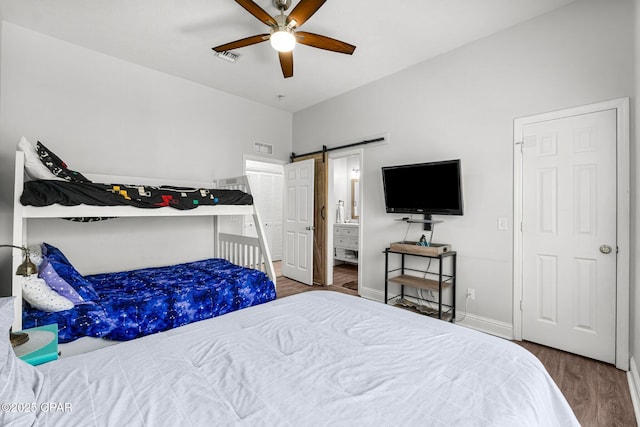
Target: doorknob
{"x":605,"y":249}
{"x":309,"y":228}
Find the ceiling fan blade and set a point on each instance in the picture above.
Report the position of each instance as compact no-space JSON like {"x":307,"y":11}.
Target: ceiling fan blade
{"x":303,"y":11}
{"x":258,"y":12}
{"x":286,"y":63}
{"x":324,"y":42}
{"x":248,"y":41}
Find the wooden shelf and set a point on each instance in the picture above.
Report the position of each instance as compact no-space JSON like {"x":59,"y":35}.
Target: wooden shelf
{"x":418,"y":282}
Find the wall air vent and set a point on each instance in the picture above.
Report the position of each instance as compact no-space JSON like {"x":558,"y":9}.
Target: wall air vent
{"x":262,"y":148}
{"x":227,"y":56}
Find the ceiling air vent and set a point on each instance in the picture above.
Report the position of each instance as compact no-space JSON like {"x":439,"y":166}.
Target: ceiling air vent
{"x":227,"y":56}
{"x":262,"y":148}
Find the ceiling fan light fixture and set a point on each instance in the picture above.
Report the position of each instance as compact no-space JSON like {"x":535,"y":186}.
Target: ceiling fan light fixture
{"x":284,"y":34}
{"x":283,"y":40}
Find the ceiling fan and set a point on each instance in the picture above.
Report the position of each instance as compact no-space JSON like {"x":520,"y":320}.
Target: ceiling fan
{"x":283,"y":34}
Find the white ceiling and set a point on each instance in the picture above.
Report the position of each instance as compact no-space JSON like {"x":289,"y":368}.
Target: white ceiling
{"x":176,"y":36}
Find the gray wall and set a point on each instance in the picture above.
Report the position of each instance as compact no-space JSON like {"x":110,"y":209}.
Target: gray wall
{"x":104,"y":115}
{"x":462,"y":105}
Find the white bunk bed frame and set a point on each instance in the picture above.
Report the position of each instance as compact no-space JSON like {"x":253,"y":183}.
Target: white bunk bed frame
{"x":246,"y":251}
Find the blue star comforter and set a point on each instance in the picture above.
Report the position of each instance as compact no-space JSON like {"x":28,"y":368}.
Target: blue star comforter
{"x":135,"y":303}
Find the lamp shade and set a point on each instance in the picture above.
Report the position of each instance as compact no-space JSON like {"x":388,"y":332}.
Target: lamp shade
{"x":18,"y":338}
{"x":27,"y":268}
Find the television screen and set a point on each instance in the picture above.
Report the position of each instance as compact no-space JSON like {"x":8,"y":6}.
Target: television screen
{"x":425,"y":188}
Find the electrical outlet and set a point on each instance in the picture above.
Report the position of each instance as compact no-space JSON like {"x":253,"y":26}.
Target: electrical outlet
{"x":471,"y":293}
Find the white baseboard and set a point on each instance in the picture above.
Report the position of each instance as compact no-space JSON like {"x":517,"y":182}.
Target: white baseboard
{"x":489,"y":326}
{"x":634,"y":387}
{"x":372,"y":294}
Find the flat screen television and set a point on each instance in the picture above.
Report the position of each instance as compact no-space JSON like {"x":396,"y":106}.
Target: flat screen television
{"x":424,"y":188}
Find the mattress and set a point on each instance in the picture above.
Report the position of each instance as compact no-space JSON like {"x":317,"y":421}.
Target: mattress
{"x":49,"y":192}
{"x":140,"y":302}
{"x":316,"y":358}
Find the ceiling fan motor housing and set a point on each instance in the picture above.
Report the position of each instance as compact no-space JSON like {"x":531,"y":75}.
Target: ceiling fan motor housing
{"x":282,"y":4}
{"x":281,"y":20}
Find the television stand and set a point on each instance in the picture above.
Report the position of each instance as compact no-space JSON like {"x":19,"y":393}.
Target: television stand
{"x":431,"y":281}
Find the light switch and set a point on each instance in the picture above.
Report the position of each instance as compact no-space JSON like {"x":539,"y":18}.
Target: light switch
{"x":502,"y":224}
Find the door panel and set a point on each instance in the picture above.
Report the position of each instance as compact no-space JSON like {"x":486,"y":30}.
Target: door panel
{"x":298,"y":224}
{"x":569,"y":212}
{"x":319,"y":217}
{"x":547,"y":283}
{"x":304,"y":259}
{"x":303,"y":210}
{"x":321,"y":197}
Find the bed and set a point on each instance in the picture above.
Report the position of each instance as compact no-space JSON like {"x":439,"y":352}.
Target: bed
{"x":130,"y":304}
{"x":316,"y":358}
{"x":39,"y":196}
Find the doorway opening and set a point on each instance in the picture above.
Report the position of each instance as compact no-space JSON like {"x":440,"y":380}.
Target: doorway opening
{"x":267,"y":182}
{"x":345,"y":219}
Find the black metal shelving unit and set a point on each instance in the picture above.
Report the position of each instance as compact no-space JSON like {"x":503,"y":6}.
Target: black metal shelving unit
{"x":435,"y":281}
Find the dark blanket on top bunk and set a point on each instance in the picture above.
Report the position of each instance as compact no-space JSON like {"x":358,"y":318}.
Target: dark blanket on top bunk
{"x":140,"y":302}
{"x":49,"y":192}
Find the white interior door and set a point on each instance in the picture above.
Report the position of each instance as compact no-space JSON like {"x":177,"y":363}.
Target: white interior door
{"x":297,"y":261}
{"x":267,"y":194}
{"x":569,"y":245}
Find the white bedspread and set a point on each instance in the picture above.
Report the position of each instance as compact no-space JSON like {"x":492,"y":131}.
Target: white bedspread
{"x":317,"y":358}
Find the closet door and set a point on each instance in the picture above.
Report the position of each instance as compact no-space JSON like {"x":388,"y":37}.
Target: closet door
{"x":569,"y":234}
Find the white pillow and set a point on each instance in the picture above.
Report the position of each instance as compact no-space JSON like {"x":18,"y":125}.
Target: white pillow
{"x":34,"y":168}
{"x":36,"y":292}
{"x":35,"y":255}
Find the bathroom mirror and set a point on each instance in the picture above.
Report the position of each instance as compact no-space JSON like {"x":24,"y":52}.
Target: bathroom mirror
{"x":355,"y":199}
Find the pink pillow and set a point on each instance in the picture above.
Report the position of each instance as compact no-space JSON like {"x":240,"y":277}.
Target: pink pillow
{"x":57,"y":283}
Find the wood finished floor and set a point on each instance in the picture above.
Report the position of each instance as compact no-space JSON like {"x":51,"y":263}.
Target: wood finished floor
{"x":342,"y":274}
{"x":597,"y":392}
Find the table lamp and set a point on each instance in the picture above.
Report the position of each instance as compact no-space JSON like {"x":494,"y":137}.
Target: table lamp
{"x":27,"y":268}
